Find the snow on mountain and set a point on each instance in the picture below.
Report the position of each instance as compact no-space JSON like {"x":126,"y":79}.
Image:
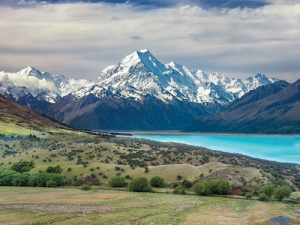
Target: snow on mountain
{"x":137,"y":75}
{"x":141,"y":73}
{"x":40,"y":85}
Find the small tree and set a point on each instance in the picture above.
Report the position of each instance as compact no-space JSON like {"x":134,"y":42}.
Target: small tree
{"x":85,"y":187}
{"x":179,"y":190}
{"x":268,"y":190}
{"x":140,"y":184}
{"x":21,"y":179}
{"x":187,"y":184}
{"x":51,"y":183}
{"x":117,"y":181}
{"x":263,"y":197}
{"x":22,"y":166}
{"x":55,"y":169}
{"x":202,"y":188}
{"x":7,"y":177}
{"x":282,"y":192}
{"x":157,"y":182}
{"x":248,"y":195}
{"x":221,"y":187}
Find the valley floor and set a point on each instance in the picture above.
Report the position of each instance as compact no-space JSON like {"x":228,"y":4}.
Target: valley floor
{"x":26,"y":205}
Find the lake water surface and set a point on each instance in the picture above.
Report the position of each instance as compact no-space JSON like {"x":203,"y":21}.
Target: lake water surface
{"x":281,"y":148}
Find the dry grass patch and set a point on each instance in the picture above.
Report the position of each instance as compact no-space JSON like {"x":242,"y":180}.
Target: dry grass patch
{"x":18,"y":195}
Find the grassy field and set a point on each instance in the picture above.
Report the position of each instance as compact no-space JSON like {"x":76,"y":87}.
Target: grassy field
{"x":81,"y":155}
{"x":96,"y":206}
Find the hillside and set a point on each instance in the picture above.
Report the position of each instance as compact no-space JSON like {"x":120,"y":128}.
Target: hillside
{"x":95,"y":159}
{"x":273,"y":108}
{"x":17,"y":119}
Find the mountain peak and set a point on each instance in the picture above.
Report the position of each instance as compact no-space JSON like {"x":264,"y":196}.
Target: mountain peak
{"x":144,"y":51}
{"x":31,"y":71}
{"x":142,"y":58}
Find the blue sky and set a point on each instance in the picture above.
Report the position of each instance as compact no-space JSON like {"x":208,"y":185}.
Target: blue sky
{"x":238,"y":38}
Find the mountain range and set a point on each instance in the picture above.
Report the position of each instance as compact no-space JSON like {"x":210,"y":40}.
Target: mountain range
{"x":273,"y":108}
{"x":139,"y":93}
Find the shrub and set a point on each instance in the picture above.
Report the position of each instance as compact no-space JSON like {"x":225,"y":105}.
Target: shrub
{"x":21,"y":179}
{"x":38,"y":179}
{"x":117,"y":181}
{"x":179,"y":190}
{"x":51,"y":183}
{"x":140,"y":184}
{"x":179,"y":177}
{"x":85,"y":187}
{"x":69,"y":169}
{"x":263,"y":197}
{"x":268,"y":190}
{"x":282,"y":192}
{"x":202,"y":188}
{"x":59,"y":179}
{"x":22,"y":166}
{"x":187,"y":184}
{"x":41,"y":179}
{"x":7,"y":177}
{"x":55,"y":169}
{"x":219,"y":187}
{"x":248,"y":195}
{"x":157,"y":182}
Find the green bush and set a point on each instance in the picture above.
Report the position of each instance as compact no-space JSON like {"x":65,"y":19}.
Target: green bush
{"x":59,"y":179}
{"x":140,"y":184}
{"x":282,"y":192}
{"x":248,"y":195}
{"x":179,"y":190}
{"x":38,"y":179}
{"x":51,"y":183}
{"x":157,"y":182}
{"x":268,"y":190}
{"x":219,"y":187}
{"x":179,"y":177}
{"x":21,"y":179}
{"x":41,"y":179}
{"x":187,"y":184}
{"x":7,"y":177}
{"x":117,"y":181}
{"x":55,"y":169}
{"x":85,"y":187}
{"x":263,"y":197}
{"x":22,"y":166}
{"x":202,"y":188}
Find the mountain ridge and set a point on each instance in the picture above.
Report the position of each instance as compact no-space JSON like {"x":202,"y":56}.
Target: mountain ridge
{"x":130,"y":86}
{"x":275,"y":110}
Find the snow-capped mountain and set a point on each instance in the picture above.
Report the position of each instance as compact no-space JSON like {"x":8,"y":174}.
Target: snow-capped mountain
{"x":138,"y":93}
{"x":36,"y":89}
{"x":141,"y":93}
{"x":141,"y":73}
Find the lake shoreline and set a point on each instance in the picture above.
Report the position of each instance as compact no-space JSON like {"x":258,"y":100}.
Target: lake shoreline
{"x":279,"y":148}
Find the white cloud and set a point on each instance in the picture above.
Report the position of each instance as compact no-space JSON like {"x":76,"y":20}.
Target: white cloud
{"x":23,"y":80}
{"x":79,"y":40}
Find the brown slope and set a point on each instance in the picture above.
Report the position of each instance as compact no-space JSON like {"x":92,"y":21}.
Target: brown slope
{"x":12,"y":111}
{"x":274,"y":111}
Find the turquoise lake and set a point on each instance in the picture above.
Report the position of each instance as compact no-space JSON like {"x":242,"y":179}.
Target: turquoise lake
{"x":281,"y":148}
